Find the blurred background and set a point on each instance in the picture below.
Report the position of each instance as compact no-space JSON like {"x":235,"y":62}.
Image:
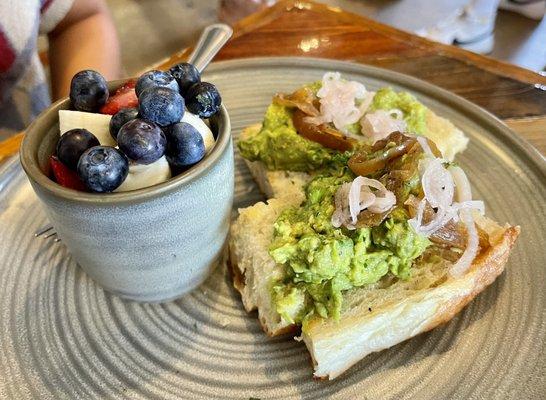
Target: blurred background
{"x":151,"y":30}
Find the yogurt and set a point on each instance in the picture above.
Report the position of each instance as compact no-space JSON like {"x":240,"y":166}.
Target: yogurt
{"x":141,"y":176}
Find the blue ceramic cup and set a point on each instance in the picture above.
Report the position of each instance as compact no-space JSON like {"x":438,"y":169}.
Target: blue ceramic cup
{"x":152,"y":244}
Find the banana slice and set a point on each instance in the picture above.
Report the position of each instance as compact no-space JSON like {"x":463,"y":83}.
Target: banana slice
{"x":201,"y":127}
{"x":141,"y":176}
{"x":97,"y":124}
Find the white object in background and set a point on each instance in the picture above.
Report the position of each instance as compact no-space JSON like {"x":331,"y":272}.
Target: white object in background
{"x":533,"y":9}
{"x":97,"y":124}
{"x":470,"y":28}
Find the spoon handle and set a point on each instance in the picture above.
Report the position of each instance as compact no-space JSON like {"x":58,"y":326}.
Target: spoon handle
{"x":211,"y":41}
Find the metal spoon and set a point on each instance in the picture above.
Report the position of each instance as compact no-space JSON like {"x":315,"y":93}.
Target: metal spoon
{"x":213,"y":38}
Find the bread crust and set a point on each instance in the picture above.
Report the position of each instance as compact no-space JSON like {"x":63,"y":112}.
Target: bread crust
{"x":275,"y":184}
{"x":237,"y":275}
{"x":457,"y":293}
{"x":239,"y":284}
{"x":278,"y":184}
{"x":487,"y":267}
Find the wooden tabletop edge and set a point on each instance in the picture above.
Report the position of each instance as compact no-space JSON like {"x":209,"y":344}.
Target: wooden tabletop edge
{"x":10,"y":146}
{"x":489,"y":64}
{"x":242,"y":27}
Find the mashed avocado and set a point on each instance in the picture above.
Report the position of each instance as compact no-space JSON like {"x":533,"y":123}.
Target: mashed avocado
{"x":414,"y":111}
{"x":322,"y":261}
{"x":279,"y":146}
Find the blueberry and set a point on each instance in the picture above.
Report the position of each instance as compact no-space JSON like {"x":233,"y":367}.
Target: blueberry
{"x":72,"y":144}
{"x":161,"y":105}
{"x":121,"y":118}
{"x":103,"y":168}
{"x":88,"y":91}
{"x":185,"y":146}
{"x":142,"y":141}
{"x":203,"y":99}
{"x":186,"y":75}
{"x":155,"y":78}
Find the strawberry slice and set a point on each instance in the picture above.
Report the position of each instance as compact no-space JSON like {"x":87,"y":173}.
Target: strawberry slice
{"x":124,"y":97}
{"x":130,"y":84}
{"x":65,"y":176}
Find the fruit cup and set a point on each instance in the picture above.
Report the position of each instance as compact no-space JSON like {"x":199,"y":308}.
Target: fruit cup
{"x":152,"y":244}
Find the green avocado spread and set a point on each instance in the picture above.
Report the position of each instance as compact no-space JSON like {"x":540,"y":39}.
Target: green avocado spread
{"x":279,"y":146}
{"x":322,"y":262}
{"x":414,"y":112}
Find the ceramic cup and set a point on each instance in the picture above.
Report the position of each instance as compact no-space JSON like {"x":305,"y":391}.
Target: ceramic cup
{"x":153,"y":244}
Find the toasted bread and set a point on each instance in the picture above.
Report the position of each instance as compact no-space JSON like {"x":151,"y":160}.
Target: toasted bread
{"x":373,"y":317}
{"x":276,"y":184}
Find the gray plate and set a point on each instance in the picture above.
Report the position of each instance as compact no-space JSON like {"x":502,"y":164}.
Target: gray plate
{"x":61,"y":336}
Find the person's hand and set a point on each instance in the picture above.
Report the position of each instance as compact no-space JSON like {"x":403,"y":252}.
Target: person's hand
{"x":85,"y":39}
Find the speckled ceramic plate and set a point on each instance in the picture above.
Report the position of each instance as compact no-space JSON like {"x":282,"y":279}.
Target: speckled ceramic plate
{"x":62,"y":336}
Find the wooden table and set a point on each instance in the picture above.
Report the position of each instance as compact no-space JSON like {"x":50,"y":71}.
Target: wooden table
{"x":304,"y":28}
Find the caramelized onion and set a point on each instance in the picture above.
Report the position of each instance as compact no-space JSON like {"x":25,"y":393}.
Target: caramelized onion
{"x":445,"y":253}
{"x":357,"y":205}
{"x":428,"y":146}
{"x":368,"y":219}
{"x":361,"y":164}
{"x":452,"y":234}
{"x":323,"y":134}
{"x":303,"y":99}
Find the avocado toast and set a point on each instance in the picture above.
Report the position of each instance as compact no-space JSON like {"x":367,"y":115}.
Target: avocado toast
{"x":370,"y":236}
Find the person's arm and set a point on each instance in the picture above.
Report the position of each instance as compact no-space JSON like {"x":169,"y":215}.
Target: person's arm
{"x":85,"y":39}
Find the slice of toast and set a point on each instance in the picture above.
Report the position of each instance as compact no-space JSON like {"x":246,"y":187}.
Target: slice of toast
{"x":373,"y":318}
{"x":252,"y":266}
{"x":381,"y":318}
{"x":276,"y":184}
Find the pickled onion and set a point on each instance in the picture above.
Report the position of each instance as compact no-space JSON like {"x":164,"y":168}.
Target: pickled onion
{"x":353,"y":197}
{"x":379,"y":124}
{"x":342,"y":102}
{"x":464,"y":195}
